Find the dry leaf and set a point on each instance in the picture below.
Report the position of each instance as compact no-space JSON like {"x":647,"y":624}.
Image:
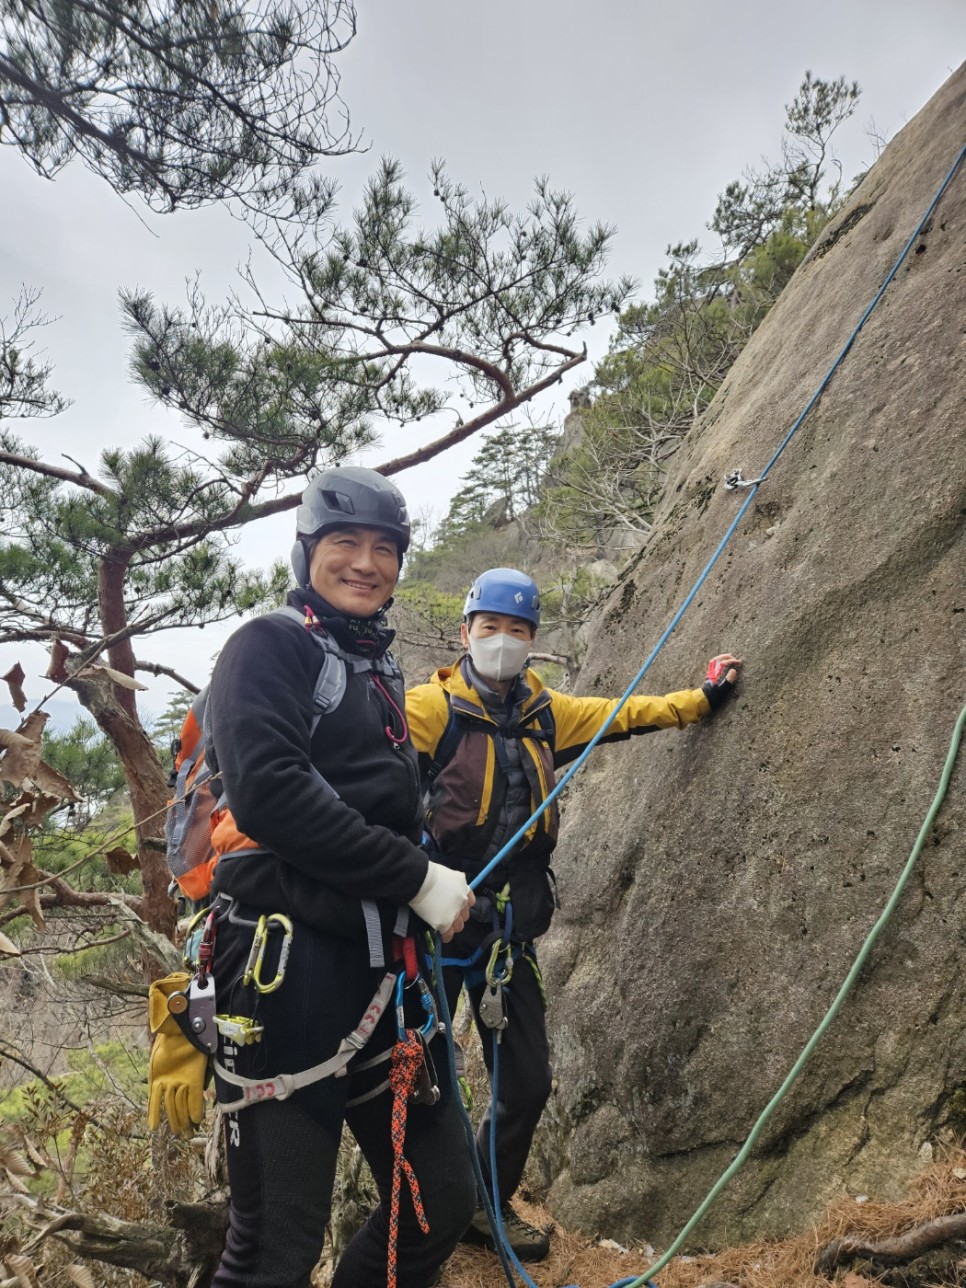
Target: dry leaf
{"x":21,"y":872}
{"x":95,"y":669}
{"x":23,"y":804}
{"x":8,"y":947}
{"x":23,"y":1267}
{"x":22,"y":755}
{"x":15,"y":678}
{"x":853,"y":1280}
{"x":30,"y":808}
{"x":34,"y":1154}
{"x":9,"y":738}
{"x":22,"y":766}
{"x":54,"y":784}
{"x":14,"y":1162}
{"x":59,"y":652}
{"x":121,"y":862}
{"x":32,"y":726}
{"x":20,"y":763}
{"x":80,"y":1276}
{"x":18,"y":856}
{"x":30,"y":899}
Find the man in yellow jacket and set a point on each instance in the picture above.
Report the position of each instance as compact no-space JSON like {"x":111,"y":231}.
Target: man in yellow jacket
{"x":490,"y":736}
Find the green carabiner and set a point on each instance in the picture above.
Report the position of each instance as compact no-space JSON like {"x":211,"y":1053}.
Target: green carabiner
{"x":256,"y":957}
{"x":492,"y":978}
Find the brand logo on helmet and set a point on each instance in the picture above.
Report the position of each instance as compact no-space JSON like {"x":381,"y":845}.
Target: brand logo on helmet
{"x":518,"y":598}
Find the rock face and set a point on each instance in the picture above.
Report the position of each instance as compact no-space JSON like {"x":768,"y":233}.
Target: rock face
{"x":718,"y":883}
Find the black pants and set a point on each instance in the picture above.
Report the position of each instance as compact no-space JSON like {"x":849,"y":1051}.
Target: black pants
{"x":524,"y":1058}
{"x":282,"y":1154}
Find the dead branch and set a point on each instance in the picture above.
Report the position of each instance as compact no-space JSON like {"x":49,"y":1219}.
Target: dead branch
{"x":890,"y":1252}
{"x":182,"y":1254}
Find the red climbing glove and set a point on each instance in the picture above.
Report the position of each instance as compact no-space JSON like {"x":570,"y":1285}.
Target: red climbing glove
{"x":717,"y":688}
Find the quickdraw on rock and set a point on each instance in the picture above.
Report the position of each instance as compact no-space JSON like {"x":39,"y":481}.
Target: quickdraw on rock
{"x":734,"y":479}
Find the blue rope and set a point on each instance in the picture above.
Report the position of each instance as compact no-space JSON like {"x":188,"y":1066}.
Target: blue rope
{"x":752,"y":492}
{"x":641,"y":1281}
{"x":481,"y":1185}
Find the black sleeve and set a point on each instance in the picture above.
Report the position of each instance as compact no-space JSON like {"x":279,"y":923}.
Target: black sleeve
{"x":261,"y":711}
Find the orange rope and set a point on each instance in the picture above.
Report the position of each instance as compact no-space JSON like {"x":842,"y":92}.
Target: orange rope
{"x":407,"y":1059}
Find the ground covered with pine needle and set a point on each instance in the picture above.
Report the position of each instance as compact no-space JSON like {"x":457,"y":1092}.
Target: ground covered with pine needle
{"x":938,"y":1192}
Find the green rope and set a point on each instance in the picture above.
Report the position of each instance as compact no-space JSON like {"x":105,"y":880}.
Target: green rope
{"x":830,"y":1015}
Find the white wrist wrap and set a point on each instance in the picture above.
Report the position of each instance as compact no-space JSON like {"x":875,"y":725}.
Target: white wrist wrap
{"x":441,"y":896}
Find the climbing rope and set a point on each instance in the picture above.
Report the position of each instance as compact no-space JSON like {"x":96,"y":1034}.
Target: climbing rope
{"x":481,"y":1185}
{"x":830,"y":1014}
{"x":407,"y":1060}
{"x":733,"y":481}
{"x":752,"y":492}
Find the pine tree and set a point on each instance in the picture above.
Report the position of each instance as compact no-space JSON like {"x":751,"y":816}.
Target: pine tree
{"x":94,"y":559}
{"x":183,"y":104}
{"x":671,"y":354}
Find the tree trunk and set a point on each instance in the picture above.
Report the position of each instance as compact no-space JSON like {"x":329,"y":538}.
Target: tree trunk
{"x":114,"y":709}
{"x":147,"y":784}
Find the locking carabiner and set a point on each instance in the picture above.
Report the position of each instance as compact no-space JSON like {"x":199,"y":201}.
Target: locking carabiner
{"x":427,"y":1001}
{"x":256,"y":956}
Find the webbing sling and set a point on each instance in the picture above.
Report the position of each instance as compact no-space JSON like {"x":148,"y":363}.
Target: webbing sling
{"x":283,"y":1085}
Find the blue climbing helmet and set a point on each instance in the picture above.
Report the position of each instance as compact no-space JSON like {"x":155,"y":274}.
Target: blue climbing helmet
{"x":504,"y":590}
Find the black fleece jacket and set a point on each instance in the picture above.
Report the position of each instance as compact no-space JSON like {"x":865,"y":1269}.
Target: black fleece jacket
{"x":334,"y":845}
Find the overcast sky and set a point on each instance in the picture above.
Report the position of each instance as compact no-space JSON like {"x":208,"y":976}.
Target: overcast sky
{"x":644,"y":111}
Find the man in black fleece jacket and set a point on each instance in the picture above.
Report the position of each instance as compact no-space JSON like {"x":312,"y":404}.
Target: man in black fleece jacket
{"x":320,"y":826}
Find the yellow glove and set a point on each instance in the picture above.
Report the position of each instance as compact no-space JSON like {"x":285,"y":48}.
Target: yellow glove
{"x":176,"y":1073}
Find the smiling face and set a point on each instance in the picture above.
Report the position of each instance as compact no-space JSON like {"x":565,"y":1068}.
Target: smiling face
{"x":355,"y":569}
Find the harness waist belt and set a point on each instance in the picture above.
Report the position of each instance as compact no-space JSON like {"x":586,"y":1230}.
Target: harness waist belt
{"x":282,"y":1085}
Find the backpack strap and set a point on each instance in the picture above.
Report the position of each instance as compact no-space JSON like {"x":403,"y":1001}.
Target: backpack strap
{"x":446,"y":747}
{"x":330,"y":684}
{"x":330,"y":687}
{"x":457,"y":724}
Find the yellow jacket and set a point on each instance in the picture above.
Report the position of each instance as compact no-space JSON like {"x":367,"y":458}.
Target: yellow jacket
{"x":463,"y":797}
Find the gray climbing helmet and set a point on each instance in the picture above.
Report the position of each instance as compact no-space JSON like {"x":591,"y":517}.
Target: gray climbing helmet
{"x":343,"y":495}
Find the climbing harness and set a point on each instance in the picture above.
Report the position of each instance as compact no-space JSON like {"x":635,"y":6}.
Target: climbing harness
{"x":283,"y":1085}
{"x":391,"y":990}
{"x":733,"y":481}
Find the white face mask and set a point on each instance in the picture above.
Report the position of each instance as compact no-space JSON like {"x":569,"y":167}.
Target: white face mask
{"x":499,"y":657}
